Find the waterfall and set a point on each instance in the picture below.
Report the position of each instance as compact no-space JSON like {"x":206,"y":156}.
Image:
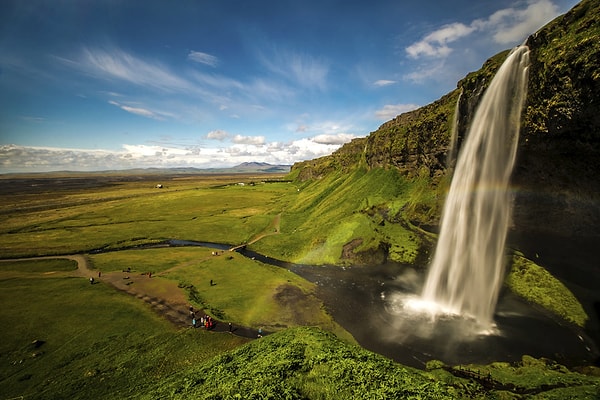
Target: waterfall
{"x":451,"y":156}
{"x":467,"y":269}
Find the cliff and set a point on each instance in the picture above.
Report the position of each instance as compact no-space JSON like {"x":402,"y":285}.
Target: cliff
{"x":559,"y":149}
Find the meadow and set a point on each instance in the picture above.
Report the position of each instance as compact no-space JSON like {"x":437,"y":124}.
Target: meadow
{"x":64,"y":338}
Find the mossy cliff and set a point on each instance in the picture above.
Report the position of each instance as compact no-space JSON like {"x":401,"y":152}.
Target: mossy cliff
{"x":555,"y":180}
{"x":558,"y":188}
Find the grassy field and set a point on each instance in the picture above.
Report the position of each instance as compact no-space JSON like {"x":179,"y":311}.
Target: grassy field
{"x":243,"y":291}
{"x":65,"y":338}
{"x":130,"y":213}
{"x":127,"y":214}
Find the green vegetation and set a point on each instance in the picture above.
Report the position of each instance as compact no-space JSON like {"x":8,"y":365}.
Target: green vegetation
{"x":565,"y":81}
{"x":244,"y":291}
{"x":364,"y":204}
{"x":65,"y":338}
{"x":72,"y":339}
{"x":353,"y":217}
{"x":301,"y":363}
{"x":307,"y":363}
{"x":537,"y":285}
{"x":67,"y":222}
{"x":47,"y":266}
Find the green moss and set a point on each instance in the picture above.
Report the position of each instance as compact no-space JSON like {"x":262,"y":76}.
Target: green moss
{"x":302,"y":363}
{"x":537,"y":285}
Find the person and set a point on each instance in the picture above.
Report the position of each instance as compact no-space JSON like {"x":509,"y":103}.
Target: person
{"x":230,"y":327}
{"x":99,"y":274}
{"x":259,"y":332}
{"x":91,"y":281}
{"x":194,"y":322}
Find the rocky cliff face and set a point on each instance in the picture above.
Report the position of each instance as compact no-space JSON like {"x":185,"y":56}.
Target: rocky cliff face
{"x":559,"y":158}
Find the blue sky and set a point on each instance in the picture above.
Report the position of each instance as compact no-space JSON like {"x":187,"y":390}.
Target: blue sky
{"x":95,"y":85}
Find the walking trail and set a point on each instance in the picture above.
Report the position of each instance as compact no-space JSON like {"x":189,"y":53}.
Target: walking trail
{"x":162,"y":295}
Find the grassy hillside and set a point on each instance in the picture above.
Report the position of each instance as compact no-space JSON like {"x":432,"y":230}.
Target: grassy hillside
{"x":307,"y":363}
{"x":355,"y":216}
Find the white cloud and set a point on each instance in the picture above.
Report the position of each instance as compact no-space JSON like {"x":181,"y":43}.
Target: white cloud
{"x":435,"y":44}
{"x":426,"y":71}
{"x":390,"y":111}
{"x":138,"y":111}
{"x":512,"y":25}
{"x":336,"y":139}
{"x":254,"y":140}
{"x":117,"y":64}
{"x":37,"y":159}
{"x":30,"y":118}
{"x":508,"y":26}
{"x":304,"y":70}
{"x":217,"y":135}
{"x":203,"y":58}
{"x":383,"y":82}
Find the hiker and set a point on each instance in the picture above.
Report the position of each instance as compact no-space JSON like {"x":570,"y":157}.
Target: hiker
{"x":91,"y":281}
{"x":211,"y":282}
{"x":259,"y":332}
{"x":99,"y":274}
{"x":230,"y":328}
{"x":194,"y":322}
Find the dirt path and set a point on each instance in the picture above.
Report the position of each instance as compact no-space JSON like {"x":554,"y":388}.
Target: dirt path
{"x":273,"y":229}
{"x":162,"y":295}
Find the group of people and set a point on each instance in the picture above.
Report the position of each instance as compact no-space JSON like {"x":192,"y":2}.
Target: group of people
{"x":205,"y":321}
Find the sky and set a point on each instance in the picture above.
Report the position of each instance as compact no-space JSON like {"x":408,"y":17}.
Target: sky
{"x":89,"y":85}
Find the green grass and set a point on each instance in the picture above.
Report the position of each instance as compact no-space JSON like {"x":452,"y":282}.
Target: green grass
{"x":316,"y":221}
{"x":95,"y":342}
{"x":152,"y":260}
{"x":37,"y":266}
{"x":244,"y":291}
{"x":229,"y":214}
{"x":537,"y":285}
{"x":321,"y":216}
{"x":69,"y":339}
{"x":300,"y":363}
{"x":308,"y":363}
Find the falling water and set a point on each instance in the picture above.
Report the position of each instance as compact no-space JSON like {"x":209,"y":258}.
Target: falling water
{"x":468,"y":265}
{"x":451,"y":157}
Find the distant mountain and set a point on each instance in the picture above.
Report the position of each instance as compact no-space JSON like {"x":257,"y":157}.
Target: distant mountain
{"x":247,"y":167}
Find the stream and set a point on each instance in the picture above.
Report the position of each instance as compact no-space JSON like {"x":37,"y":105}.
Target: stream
{"x":367,"y":302}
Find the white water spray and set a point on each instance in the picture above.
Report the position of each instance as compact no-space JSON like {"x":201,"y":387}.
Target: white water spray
{"x":467,"y":270}
{"x":451,"y":157}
